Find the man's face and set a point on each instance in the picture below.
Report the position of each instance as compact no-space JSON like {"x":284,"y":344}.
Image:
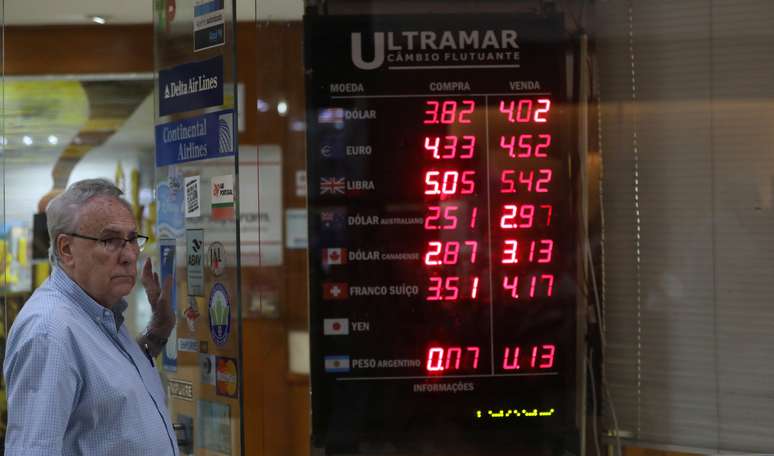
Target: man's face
{"x":107,"y":276}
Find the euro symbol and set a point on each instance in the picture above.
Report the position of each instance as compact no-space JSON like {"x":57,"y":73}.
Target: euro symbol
{"x":326,"y":151}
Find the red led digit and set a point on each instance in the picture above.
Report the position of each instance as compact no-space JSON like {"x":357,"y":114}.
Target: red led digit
{"x":451,"y":252}
{"x":542,"y":182}
{"x":528,"y":147}
{"x":512,"y":286}
{"x":541,"y":113}
{"x":527,"y":179}
{"x":447,"y":253}
{"x":433,"y":253}
{"x":548,"y":210}
{"x":508,"y":143}
{"x":450,"y":179}
{"x":508,"y":184}
{"x":509,"y":252}
{"x":473,"y":214}
{"x":450,"y":354}
{"x":473,"y":249}
{"x":534,"y":357}
{"x":431,"y":114}
{"x":449,"y":288}
{"x":511,"y":362}
{"x":452,"y":288}
{"x":435,"y":359}
{"x":448,"y":112}
{"x":448,"y":214}
{"x":507,"y":220}
{"x":549,"y":280}
{"x":542,"y":145}
{"x":525,"y":214}
{"x":475,"y":351}
{"x":525,"y":146}
{"x":432,"y":144}
{"x":443,"y":289}
{"x":468,"y":146}
{"x":431,"y":180}
{"x":507,"y":109}
{"x":432,"y":218}
{"x":542,"y":285}
{"x":541,"y":251}
{"x":468,"y":184}
{"x":547,"y":358}
{"x":540,"y":356}
{"x":451,"y":358}
{"x":547,"y":283}
{"x":435,"y":288}
{"x":446,"y":148}
{"x":526,"y":110}
{"x":546,"y":251}
{"x":467,"y":108}
{"x":441,"y":218}
{"x":448,"y":182}
{"x":517,"y":112}
{"x":450,"y":147}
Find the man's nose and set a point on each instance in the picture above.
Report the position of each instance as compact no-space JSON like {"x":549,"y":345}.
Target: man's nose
{"x":129,"y":253}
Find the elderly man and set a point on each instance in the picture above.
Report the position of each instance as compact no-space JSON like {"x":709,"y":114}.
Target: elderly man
{"x":78,"y":384}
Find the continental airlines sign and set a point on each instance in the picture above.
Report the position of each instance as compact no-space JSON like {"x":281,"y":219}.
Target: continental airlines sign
{"x":444,"y":49}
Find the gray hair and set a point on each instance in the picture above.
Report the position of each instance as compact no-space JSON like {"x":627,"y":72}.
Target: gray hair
{"x":62,"y":212}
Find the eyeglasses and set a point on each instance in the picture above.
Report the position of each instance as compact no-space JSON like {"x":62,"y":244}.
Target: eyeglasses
{"x":114,"y":244}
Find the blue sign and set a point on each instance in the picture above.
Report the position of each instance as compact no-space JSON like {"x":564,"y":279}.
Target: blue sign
{"x":208,"y":7}
{"x":191,"y":86}
{"x":209,"y":37}
{"x":167,"y":254}
{"x":170,"y":218}
{"x":198,"y":138}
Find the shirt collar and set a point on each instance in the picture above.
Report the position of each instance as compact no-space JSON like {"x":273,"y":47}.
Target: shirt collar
{"x":96,"y":311}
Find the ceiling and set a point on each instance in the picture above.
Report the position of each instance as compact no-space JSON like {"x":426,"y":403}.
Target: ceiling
{"x":40,"y":12}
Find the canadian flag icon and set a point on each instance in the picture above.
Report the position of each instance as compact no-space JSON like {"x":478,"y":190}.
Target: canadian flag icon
{"x":334,"y":256}
{"x":335,"y":290}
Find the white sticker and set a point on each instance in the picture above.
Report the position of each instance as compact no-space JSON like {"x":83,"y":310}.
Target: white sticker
{"x":301,"y":183}
{"x":222,"y":197}
{"x":188,"y":345}
{"x":195,"y":261}
{"x":192,"y":204}
{"x":207,"y":368}
{"x":296,"y":234}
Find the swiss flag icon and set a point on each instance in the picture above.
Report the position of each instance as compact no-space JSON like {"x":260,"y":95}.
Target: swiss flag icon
{"x":334,"y":256}
{"x":335,"y":290}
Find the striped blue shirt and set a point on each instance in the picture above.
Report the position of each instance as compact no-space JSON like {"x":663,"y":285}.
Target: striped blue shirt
{"x":78,"y":383}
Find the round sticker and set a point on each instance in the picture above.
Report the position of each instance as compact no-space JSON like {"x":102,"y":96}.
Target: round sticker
{"x":219,"y":314}
{"x":226,"y":377}
{"x":216,"y":258}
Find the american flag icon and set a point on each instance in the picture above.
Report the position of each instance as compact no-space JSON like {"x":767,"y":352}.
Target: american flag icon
{"x":332,"y":185}
{"x":331,"y":115}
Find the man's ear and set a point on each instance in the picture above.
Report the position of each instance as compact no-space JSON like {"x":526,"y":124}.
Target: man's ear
{"x":64,"y":249}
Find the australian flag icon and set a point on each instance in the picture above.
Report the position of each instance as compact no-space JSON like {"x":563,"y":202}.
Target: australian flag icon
{"x":334,"y":218}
